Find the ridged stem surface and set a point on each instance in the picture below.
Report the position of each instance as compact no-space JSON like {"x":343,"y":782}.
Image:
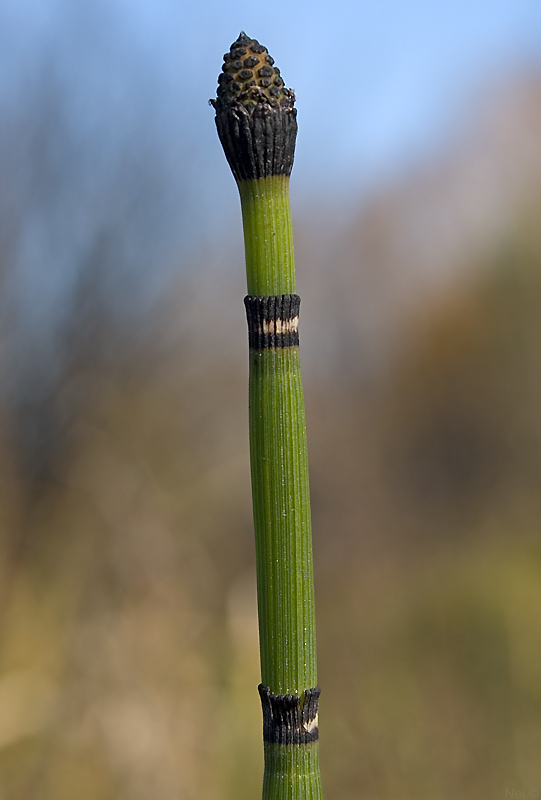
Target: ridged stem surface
{"x":268,"y":236}
{"x":281,"y":504}
{"x":280,"y":490}
{"x":292,"y":772}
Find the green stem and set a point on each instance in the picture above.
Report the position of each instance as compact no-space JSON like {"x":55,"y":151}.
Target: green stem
{"x":280,"y":489}
{"x":268,"y":235}
{"x":292,"y":772}
{"x":257,"y":125}
{"x":278,"y":455}
{"x":282,"y":521}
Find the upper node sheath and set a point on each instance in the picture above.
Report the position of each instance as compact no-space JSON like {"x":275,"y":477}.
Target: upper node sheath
{"x":255,"y":117}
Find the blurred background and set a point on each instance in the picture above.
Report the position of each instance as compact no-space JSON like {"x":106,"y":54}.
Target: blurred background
{"x":128,"y":631}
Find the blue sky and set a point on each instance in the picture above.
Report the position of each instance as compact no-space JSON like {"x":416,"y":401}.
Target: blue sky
{"x":376,"y":81}
{"x":379,"y":81}
{"x":379,"y":84}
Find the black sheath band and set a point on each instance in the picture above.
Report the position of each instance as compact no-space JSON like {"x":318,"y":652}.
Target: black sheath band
{"x":258,"y":141}
{"x":288,"y":719}
{"x":273,"y":321}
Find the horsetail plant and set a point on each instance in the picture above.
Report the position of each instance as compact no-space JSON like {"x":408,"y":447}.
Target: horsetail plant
{"x":257,"y":126}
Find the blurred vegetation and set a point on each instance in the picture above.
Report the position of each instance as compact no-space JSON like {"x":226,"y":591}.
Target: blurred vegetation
{"x":128,"y":631}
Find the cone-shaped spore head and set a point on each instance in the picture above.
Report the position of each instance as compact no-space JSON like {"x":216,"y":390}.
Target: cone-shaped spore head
{"x":250,"y":77}
{"x":255,"y":117}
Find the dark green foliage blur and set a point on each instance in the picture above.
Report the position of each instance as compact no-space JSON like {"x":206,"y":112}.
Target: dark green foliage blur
{"x":128,"y":632}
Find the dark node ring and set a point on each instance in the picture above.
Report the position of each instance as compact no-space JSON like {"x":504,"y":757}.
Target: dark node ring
{"x":273,"y":321}
{"x":290,"y":719}
{"x":258,"y":140}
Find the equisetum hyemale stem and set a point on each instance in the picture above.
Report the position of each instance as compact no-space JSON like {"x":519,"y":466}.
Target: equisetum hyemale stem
{"x":257,"y":126}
